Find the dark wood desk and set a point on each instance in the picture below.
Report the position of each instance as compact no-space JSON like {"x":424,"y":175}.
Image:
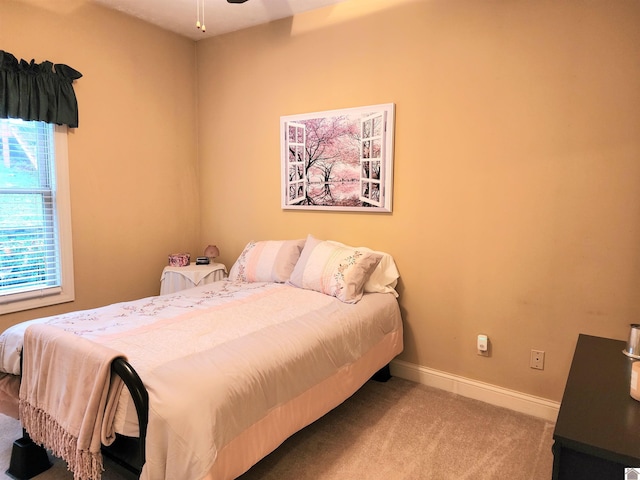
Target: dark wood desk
{"x":597,"y":433}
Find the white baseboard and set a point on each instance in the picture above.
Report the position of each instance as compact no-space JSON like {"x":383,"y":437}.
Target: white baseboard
{"x":502,"y":397}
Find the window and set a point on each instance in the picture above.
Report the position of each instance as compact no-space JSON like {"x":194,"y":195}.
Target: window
{"x":36,"y":266}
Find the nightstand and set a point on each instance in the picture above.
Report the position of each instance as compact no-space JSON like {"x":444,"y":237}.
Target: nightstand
{"x":174,"y":279}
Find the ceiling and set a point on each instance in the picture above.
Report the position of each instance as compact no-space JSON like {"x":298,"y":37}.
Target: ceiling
{"x":220,"y":17}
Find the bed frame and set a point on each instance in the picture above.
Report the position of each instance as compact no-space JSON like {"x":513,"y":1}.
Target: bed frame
{"x":29,"y":459}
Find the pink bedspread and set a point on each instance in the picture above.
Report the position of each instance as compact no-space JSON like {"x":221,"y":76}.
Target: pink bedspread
{"x":233,"y":369}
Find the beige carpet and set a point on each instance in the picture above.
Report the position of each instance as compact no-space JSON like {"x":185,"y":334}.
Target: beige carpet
{"x":387,"y":431}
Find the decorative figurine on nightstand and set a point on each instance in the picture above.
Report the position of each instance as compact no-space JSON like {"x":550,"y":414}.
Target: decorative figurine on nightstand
{"x":179,"y":259}
{"x":210,"y":254}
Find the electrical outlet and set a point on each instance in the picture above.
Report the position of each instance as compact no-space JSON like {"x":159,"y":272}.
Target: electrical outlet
{"x":483,"y":345}
{"x":537,"y":359}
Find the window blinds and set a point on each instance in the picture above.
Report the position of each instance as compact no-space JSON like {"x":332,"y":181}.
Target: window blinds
{"x":29,"y":249}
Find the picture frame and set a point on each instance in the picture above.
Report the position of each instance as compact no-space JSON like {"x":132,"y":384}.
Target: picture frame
{"x":339,"y":160}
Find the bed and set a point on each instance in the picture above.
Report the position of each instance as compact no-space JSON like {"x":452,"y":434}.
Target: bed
{"x":228,"y":370}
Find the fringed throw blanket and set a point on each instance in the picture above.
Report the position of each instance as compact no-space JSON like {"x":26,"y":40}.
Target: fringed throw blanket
{"x":71,"y":419}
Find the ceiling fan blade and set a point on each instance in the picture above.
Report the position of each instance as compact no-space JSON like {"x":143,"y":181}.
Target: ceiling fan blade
{"x":236,"y":1}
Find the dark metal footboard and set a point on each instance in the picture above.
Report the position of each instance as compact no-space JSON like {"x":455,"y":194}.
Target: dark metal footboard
{"x":29,"y":459}
{"x":128,"y":452}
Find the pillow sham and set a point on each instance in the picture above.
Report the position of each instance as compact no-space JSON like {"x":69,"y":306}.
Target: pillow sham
{"x":267,"y":261}
{"x":384,"y":277}
{"x":332,"y":269}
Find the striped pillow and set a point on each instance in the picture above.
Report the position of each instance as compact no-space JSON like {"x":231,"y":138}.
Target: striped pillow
{"x":267,"y":261}
{"x":332,"y":269}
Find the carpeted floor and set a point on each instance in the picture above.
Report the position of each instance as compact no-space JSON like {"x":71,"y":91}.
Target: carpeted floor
{"x":386,"y":431}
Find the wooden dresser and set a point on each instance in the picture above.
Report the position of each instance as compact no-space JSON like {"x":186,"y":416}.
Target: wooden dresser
{"x":597,"y":433}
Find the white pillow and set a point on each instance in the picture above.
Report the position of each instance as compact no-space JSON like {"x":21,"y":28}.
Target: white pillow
{"x":267,"y":261}
{"x":333,"y":269}
{"x":385,"y":276}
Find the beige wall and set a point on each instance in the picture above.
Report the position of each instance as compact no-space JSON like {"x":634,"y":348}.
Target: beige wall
{"x":133,"y":169}
{"x":517,"y":165}
{"x":517,"y":159}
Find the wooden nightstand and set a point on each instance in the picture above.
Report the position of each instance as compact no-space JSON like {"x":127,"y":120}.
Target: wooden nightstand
{"x":597,"y":433}
{"x":174,"y":279}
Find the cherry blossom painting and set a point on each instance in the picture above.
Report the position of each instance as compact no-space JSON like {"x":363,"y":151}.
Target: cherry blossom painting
{"x":338,"y":159}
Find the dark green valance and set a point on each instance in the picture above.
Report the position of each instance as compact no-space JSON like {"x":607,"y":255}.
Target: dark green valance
{"x":42,"y":92}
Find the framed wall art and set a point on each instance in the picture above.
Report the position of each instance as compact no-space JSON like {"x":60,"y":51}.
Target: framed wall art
{"x":338,"y":159}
